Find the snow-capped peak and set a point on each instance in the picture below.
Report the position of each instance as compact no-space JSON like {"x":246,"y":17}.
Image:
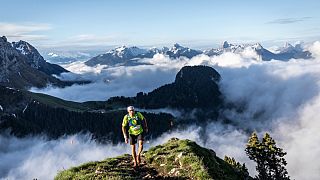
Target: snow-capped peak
{"x":3,"y":38}
{"x":135,"y":51}
{"x":127,"y":51}
{"x":22,"y":46}
{"x":257,"y":46}
{"x":121,"y":48}
{"x":176,"y":48}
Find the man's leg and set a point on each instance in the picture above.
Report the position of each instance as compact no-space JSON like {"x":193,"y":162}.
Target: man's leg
{"x":134,"y":156}
{"x":139,"y":151}
{"x":133,"y":141}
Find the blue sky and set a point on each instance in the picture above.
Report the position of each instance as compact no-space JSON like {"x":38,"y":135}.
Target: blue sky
{"x":194,"y":23}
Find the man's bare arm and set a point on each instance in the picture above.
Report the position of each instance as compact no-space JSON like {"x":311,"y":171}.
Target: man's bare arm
{"x":124,"y":132}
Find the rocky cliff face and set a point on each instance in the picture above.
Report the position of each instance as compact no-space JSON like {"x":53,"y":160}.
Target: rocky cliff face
{"x":35,"y":60}
{"x":194,"y":87}
{"x":21,"y":65}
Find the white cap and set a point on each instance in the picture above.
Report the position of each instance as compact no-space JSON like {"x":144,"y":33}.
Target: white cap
{"x":130,"y":108}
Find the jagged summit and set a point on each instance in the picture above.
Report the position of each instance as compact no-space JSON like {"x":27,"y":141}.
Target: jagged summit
{"x":176,"y":46}
{"x":287,"y":48}
{"x":35,"y":60}
{"x":226,"y":44}
{"x":33,"y":56}
{"x":176,"y":159}
{"x":124,"y":51}
{"x":3,"y":39}
{"x":177,"y":51}
{"x":257,"y":46}
{"x":24,"y":47}
{"x":21,"y":65}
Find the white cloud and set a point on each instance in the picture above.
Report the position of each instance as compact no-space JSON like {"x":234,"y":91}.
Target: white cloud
{"x":113,"y":81}
{"x":26,"y":31}
{"x":299,"y":138}
{"x":86,"y":42}
{"x":250,"y":53}
{"x":21,"y":158}
{"x":38,"y":158}
{"x":283,"y":99}
{"x":92,"y":40}
{"x":315,"y":49}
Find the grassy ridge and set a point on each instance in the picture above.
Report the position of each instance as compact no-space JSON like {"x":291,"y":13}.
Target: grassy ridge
{"x":176,"y":159}
{"x":57,"y":102}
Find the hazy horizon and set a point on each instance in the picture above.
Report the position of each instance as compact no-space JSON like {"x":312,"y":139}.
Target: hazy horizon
{"x":98,"y":24}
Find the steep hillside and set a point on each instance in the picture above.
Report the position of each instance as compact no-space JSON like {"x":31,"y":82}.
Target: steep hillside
{"x":21,"y":66}
{"x":24,"y":113}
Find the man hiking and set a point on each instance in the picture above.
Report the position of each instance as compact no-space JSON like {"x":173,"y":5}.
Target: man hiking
{"x":137,"y":127}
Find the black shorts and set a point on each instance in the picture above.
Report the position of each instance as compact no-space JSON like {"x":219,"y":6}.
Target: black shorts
{"x":133,"y":138}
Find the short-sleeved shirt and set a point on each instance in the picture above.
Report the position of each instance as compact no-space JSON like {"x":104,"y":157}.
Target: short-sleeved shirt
{"x":135,"y":123}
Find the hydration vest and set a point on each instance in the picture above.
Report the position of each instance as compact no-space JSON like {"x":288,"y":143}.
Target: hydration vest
{"x":135,"y":124}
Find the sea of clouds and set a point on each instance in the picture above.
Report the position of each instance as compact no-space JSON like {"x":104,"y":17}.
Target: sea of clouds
{"x":282,"y":98}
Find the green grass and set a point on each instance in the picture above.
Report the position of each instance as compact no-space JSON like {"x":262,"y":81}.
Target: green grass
{"x":176,"y":159}
{"x":179,"y":156}
{"x":111,"y":168}
{"x":57,"y":102}
{"x":191,"y":160}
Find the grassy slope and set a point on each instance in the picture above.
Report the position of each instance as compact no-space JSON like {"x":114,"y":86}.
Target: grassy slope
{"x":57,"y":102}
{"x":177,"y":159}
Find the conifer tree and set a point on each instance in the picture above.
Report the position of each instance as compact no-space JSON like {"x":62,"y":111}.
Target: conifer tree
{"x":269,"y":158}
{"x":241,"y":168}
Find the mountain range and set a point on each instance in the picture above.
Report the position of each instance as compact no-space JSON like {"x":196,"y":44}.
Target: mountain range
{"x":62,"y":58}
{"x":284,"y":53}
{"x":128,"y":56}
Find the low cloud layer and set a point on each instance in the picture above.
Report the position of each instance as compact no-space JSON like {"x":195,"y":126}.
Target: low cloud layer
{"x":282,"y":98}
{"x":113,"y":81}
{"x":38,"y":158}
